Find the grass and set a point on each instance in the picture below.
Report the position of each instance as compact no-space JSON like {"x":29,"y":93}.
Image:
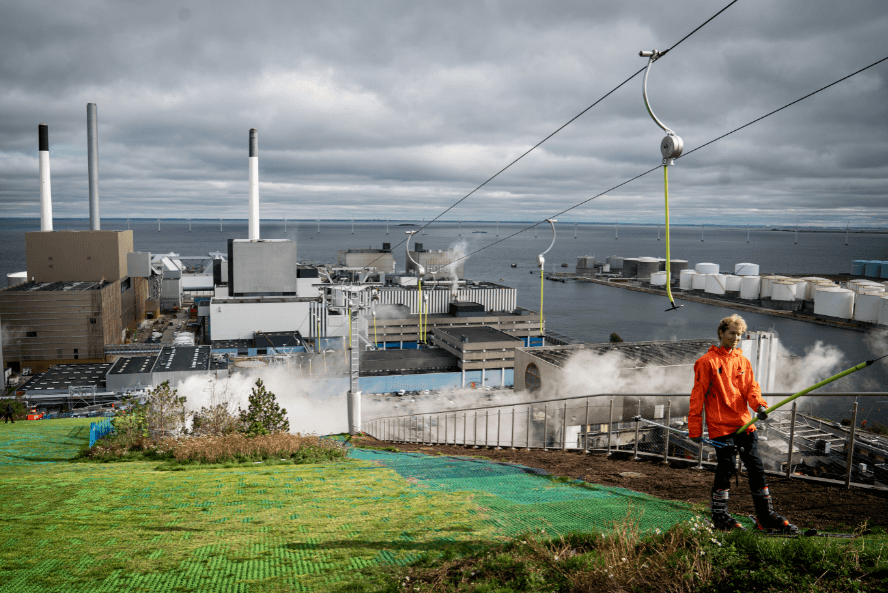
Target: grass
{"x":687,"y":558}
{"x":362,"y":526}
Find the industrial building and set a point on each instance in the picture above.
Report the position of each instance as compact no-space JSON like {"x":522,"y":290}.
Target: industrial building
{"x":438,"y":263}
{"x":367,"y":259}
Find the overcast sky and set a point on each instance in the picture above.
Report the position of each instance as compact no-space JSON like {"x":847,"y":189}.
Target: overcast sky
{"x":398,"y":109}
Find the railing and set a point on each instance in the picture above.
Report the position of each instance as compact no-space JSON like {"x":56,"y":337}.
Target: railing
{"x":790,"y":442}
{"x":99,"y":429}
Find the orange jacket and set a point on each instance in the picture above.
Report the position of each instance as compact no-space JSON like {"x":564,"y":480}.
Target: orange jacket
{"x":723,"y":382}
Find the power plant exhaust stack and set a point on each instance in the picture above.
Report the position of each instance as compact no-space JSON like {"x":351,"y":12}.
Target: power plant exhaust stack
{"x":45,"y":188}
{"x":254,"y":185}
{"x":92,"y":151}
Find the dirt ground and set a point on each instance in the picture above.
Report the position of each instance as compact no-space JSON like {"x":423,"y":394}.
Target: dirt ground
{"x":806,"y":504}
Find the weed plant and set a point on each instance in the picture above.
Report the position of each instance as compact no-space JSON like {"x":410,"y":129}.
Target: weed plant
{"x":688,"y":558}
{"x":222,"y":450}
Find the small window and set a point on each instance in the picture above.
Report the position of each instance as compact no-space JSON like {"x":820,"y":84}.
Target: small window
{"x":31,"y":334}
{"x":88,"y":257}
{"x":532,"y":380}
{"x":92,"y":320}
{"x":50,"y":258}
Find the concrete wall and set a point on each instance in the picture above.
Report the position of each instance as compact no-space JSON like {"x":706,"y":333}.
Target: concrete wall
{"x":436,"y":381}
{"x":262,"y":267}
{"x":407,"y":330}
{"x":138,"y":264}
{"x":237,"y":319}
{"x":65,"y":256}
{"x":360,"y":258}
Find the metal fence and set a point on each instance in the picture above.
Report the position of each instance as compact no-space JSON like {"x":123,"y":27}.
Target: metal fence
{"x":99,"y":429}
{"x":790,"y":442}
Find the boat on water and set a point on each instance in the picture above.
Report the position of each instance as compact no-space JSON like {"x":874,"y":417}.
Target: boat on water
{"x":514,"y":265}
{"x":479,"y":231}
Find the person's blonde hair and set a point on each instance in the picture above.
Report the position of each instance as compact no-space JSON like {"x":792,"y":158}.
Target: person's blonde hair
{"x":732,"y":320}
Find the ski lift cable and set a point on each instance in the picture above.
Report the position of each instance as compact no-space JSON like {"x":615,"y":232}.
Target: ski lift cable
{"x":570,"y":121}
{"x":586,"y":201}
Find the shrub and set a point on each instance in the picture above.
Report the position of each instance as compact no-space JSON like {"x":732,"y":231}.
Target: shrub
{"x":239,"y":447}
{"x":218,"y":417}
{"x":130,"y":424}
{"x":263,"y":415}
{"x":615,"y":338}
{"x":165,"y":411}
{"x":19,"y":410}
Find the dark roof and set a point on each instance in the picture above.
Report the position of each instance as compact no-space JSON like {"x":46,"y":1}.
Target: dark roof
{"x":277,"y":339}
{"x":640,"y":354}
{"x":182,"y":358}
{"x":133,"y":365}
{"x":228,"y":344}
{"x":62,"y":376}
{"x":481,"y":333}
{"x":56,"y":286}
{"x":395,"y":361}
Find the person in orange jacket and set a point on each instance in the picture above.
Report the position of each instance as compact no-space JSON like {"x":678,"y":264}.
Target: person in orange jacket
{"x":725,"y":386}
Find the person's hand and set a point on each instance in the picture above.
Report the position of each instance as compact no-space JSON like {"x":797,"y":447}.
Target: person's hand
{"x":762,"y":414}
{"x":698,"y":439}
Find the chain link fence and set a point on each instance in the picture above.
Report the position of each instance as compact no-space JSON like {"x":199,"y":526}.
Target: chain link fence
{"x":790,"y":442}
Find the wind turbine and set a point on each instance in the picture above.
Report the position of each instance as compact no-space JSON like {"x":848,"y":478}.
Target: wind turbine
{"x":128,"y":221}
{"x":158,"y":225}
{"x":189,"y":225}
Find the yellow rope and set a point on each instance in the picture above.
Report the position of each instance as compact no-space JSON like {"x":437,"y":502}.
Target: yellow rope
{"x":668,"y":258}
{"x":349,"y":329}
{"x":419,"y":282}
{"x":375,"y":337}
{"x":541,"y":301}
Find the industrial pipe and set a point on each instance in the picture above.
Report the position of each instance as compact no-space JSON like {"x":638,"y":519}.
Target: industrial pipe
{"x":92,"y":158}
{"x":254,"y":185}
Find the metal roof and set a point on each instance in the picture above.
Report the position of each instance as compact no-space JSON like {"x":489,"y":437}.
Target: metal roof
{"x":56,"y":286}
{"x":62,"y":376}
{"x":133,"y":365}
{"x":187,"y":358}
{"x":640,"y":354}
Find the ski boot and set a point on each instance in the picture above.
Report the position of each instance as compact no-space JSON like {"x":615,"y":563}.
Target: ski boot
{"x":767,"y":519}
{"x":721,"y":518}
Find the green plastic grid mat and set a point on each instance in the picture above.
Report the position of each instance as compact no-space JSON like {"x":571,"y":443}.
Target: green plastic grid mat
{"x":29,"y":442}
{"x":519,"y":498}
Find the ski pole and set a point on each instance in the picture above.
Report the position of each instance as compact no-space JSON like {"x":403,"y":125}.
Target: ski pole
{"x":681,"y":432}
{"x":853,"y":369}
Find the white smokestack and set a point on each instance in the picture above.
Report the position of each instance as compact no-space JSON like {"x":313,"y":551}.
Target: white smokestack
{"x":45,"y":188}
{"x":254,"y":185}
{"x":92,"y":159}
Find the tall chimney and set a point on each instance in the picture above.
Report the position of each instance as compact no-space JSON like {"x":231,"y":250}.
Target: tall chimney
{"x":254,"y":185}
{"x":92,"y":151}
{"x":45,"y":189}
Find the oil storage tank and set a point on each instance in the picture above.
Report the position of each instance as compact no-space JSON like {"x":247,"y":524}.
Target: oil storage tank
{"x":715,"y":284}
{"x":646,"y":267}
{"x":732,"y":283}
{"x":676,"y":267}
{"x":783,"y":290}
{"x":615,"y":263}
{"x":750,"y":287}
{"x":746,"y":269}
{"x":767,"y":282}
{"x":706,"y":268}
{"x":686,"y":279}
{"x":699,"y":281}
{"x":872,"y":268}
{"x":658,"y":279}
{"x":858,"y":267}
{"x":834,"y":302}
{"x":630,"y":267}
{"x":867,"y":306}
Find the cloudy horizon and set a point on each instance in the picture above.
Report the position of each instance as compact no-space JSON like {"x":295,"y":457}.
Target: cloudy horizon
{"x":399,"y":109}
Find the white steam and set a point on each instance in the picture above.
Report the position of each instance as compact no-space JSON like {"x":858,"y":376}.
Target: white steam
{"x":314,"y":406}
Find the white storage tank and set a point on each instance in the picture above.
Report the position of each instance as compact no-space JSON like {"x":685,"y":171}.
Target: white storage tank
{"x":767,"y":282}
{"x":615,"y":263}
{"x":686,"y":279}
{"x":698,"y":281}
{"x":706,"y":268}
{"x":783,"y":290}
{"x":677,"y":266}
{"x":715,"y":283}
{"x":867,"y":306}
{"x":658,"y":279}
{"x":746,"y":269}
{"x":802,"y":289}
{"x":834,"y":302}
{"x":732,"y":283}
{"x":883,"y":310}
{"x":750,"y":287}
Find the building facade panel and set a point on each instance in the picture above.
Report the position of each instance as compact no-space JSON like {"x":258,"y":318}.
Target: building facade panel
{"x":74,"y":256}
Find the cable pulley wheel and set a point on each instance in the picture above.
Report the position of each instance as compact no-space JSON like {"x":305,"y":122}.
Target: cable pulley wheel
{"x":671,"y":146}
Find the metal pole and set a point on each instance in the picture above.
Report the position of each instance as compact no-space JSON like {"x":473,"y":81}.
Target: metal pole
{"x":638,"y":412}
{"x":513,"y":428}
{"x":486,"y":428}
{"x":465,"y":428}
{"x":499,"y":424}
{"x":668,"y":422}
{"x":792,"y":424}
{"x":446,"y":426}
{"x":851,"y":445}
{"x":475,"y":431}
{"x":564,"y":428}
{"x":586,"y":428}
{"x":92,"y":149}
{"x":545,"y":426}
{"x":438,"y":435}
{"x":610,"y":427}
{"x":529,"y":413}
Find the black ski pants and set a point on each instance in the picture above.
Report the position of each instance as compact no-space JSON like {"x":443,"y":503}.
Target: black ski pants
{"x":8,"y":416}
{"x":747,"y":445}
